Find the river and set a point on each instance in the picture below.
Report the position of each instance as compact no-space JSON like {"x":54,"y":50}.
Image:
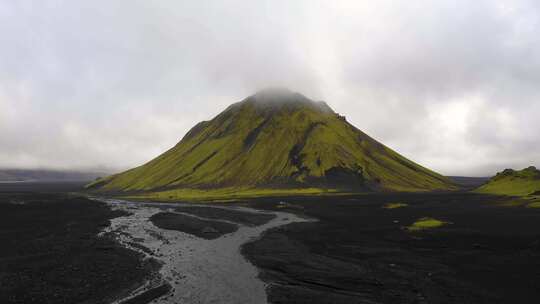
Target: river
{"x":197,"y":269}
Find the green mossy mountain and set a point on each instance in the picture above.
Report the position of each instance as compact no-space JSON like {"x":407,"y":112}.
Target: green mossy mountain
{"x":515,"y":183}
{"x":277,"y":139}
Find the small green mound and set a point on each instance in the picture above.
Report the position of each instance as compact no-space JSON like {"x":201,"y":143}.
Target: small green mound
{"x":534,"y":205}
{"x":426,"y":223}
{"x":513,"y":183}
{"x":395,"y":205}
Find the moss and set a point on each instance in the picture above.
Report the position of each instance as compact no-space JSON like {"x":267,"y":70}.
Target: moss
{"x":513,"y":183}
{"x":230,"y":194}
{"x":518,"y":202}
{"x":426,"y":223}
{"x":395,"y":205}
{"x":534,"y":205}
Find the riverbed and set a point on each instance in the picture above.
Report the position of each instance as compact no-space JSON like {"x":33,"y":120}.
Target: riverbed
{"x":195,"y":269}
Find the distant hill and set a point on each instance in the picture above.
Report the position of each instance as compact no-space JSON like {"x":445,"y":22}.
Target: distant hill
{"x":24,"y":175}
{"x":511,"y":182}
{"x":466,"y":182}
{"x":275,"y":139}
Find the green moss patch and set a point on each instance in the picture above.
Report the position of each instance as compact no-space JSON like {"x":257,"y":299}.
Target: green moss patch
{"x":426,"y":223}
{"x":529,"y":202}
{"x":230,"y":194}
{"x":395,"y":205}
{"x":534,"y":205}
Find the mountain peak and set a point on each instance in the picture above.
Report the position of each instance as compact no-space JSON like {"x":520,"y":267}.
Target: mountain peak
{"x":276,"y":93}
{"x":279,"y":98}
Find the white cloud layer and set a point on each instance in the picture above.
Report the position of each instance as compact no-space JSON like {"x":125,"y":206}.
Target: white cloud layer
{"x":453,"y":85}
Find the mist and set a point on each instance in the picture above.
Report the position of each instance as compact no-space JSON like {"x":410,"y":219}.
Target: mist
{"x":452,"y":85}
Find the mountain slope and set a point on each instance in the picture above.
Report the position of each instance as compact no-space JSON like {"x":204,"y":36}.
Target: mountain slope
{"x":511,"y":182}
{"x":277,"y":139}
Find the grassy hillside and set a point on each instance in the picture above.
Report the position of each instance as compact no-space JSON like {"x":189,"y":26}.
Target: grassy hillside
{"x":515,"y":183}
{"x":276,"y":140}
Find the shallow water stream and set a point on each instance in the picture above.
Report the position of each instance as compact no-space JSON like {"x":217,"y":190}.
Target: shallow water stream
{"x":199,"y":270}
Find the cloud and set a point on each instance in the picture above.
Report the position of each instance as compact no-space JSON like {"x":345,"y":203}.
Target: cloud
{"x":450,"y":84}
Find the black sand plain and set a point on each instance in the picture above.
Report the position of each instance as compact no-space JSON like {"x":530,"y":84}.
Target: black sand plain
{"x":356,"y":252}
{"x":359,"y":252}
{"x":50,"y":251}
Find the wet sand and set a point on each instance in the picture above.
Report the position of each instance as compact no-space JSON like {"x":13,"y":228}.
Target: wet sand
{"x":197,"y":269}
{"x":236,"y":216}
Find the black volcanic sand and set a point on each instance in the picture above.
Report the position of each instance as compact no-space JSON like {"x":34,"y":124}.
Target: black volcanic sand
{"x":206,"y":229}
{"x":41,"y":187}
{"x":245,"y":218}
{"x":51,"y":252}
{"x":359,"y":252}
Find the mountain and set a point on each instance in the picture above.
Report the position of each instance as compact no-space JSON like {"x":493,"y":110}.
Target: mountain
{"x":42,"y":175}
{"x":511,"y":182}
{"x":276,"y":139}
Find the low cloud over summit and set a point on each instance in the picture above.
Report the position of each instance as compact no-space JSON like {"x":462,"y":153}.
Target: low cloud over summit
{"x":111,"y":84}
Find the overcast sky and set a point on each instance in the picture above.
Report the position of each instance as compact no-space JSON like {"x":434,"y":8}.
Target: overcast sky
{"x":452,"y":85}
